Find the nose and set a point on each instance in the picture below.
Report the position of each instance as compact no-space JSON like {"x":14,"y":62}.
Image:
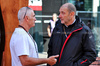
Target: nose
{"x":59,"y":16}
{"x":35,"y":19}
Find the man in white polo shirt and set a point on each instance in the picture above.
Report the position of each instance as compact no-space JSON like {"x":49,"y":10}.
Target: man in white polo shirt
{"x":24,"y":51}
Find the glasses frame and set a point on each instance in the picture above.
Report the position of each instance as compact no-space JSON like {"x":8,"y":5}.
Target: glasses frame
{"x":26,"y":12}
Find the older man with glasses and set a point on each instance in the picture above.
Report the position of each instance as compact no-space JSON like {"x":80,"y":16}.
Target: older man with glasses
{"x":23,"y":47}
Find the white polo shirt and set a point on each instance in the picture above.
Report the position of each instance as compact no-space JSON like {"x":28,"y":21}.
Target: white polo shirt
{"x":22,"y":44}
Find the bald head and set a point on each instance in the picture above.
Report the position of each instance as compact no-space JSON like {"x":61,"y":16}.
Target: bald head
{"x":67,"y":13}
{"x":23,"y":12}
{"x":70,"y":7}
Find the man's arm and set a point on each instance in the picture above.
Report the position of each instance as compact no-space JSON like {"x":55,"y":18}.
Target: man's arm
{"x":25,"y":60}
{"x":48,"y":30}
{"x":89,"y":52}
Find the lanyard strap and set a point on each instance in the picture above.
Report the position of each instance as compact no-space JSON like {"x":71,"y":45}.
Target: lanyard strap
{"x":65,"y":31}
{"x":22,"y":27}
{"x":31,"y":38}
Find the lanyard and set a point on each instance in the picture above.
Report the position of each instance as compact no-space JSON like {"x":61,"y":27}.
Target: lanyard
{"x":31,"y":38}
{"x":22,"y":27}
{"x":65,"y":32}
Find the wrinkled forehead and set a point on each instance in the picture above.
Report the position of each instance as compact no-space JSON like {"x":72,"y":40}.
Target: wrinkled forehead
{"x":32,"y":12}
{"x":63,"y":8}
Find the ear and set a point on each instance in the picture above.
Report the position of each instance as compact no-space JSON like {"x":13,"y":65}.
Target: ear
{"x":26,"y":18}
{"x":72,"y":13}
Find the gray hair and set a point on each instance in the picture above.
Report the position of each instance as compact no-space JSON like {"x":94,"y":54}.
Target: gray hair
{"x":23,"y":12}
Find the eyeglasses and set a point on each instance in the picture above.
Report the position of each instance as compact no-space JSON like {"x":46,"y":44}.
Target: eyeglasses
{"x":26,"y":11}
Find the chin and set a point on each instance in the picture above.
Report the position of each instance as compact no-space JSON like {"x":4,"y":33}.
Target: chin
{"x":33,"y":25}
{"x":62,"y":22}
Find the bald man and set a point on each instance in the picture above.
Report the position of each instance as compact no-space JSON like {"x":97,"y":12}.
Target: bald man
{"x":24,"y":51}
{"x":72,"y":40}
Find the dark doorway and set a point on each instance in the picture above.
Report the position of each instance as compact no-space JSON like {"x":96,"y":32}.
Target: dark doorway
{"x":2,"y":36}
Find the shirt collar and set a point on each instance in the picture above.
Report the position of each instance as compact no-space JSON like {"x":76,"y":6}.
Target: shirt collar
{"x":72,"y":23}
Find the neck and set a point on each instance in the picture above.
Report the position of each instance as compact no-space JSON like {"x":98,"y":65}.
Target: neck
{"x":24,"y":27}
{"x":54,"y":20}
{"x":70,"y":22}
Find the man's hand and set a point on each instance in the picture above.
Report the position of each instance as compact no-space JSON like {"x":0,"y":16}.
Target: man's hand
{"x":52,"y":60}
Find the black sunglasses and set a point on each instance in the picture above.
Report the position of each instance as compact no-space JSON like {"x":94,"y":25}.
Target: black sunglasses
{"x":26,"y":11}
